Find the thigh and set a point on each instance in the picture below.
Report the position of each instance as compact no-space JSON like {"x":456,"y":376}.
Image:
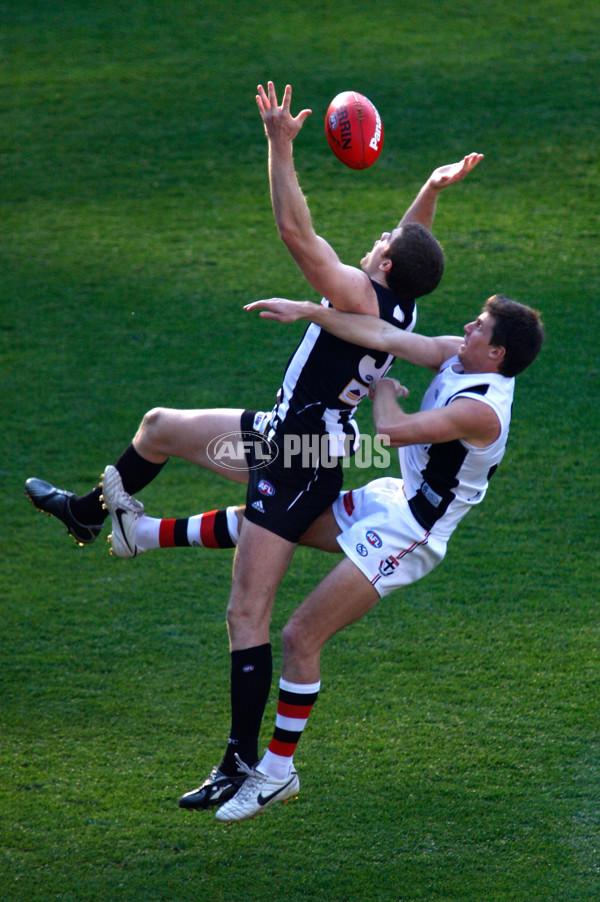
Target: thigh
{"x":196,"y":436}
{"x":323,"y":533}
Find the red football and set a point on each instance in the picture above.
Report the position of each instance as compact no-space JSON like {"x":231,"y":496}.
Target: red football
{"x":354,"y":130}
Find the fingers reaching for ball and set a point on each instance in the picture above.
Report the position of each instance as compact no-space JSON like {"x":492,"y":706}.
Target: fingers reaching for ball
{"x":277,"y":117}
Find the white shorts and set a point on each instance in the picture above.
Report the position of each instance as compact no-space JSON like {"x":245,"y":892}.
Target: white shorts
{"x":381,"y":536}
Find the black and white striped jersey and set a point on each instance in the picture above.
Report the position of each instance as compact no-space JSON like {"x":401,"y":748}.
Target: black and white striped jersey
{"x":326,"y":378}
{"x":443,"y":481}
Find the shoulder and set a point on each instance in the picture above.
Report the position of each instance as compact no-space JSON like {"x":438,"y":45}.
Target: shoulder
{"x":355,"y":293}
{"x":399,"y":311}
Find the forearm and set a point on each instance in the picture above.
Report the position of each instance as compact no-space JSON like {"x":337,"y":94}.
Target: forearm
{"x":422,"y":209}
{"x":289,"y":204}
{"x":372,"y":332}
{"x":363,"y":329}
{"x":388,"y":416}
{"x":281,"y":128}
{"x":355,"y":328}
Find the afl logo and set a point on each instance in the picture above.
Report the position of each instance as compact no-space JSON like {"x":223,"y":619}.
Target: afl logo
{"x":265,"y":487}
{"x":373,"y":539}
{"x":333,"y":121}
{"x":241,"y":451}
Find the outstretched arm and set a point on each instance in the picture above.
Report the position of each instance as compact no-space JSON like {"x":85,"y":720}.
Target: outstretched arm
{"x":422,"y":208}
{"x":347,"y":287}
{"x":369,"y":331}
{"x":289,"y":205}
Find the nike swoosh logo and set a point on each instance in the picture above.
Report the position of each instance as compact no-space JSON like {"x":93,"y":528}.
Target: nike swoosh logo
{"x":264,"y":800}
{"x":119,"y":514}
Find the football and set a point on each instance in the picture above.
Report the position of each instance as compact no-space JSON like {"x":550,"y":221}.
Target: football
{"x":354,"y":130}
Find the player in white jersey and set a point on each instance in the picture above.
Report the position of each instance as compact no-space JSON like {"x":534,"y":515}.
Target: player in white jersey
{"x":411,"y":520}
{"x":443,"y":481}
{"x":394,"y":532}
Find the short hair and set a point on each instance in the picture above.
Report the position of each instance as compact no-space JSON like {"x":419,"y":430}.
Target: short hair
{"x":518,"y":329}
{"x":417,"y":262}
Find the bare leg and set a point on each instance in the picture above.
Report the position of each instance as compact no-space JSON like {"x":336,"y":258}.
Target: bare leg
{"x":341,"y":598}
{"x":187,"y":434}
{"x":261,"y":561}
{"x":344,"y":596}
{"x":322,"y":534}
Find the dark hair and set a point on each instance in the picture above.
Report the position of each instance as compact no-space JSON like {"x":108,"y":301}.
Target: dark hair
{"x":518,"y":329}
{"x":417,"y":262}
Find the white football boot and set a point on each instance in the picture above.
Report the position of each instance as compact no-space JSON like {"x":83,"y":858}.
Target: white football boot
{"x":256,"y":793}
{"x":124,"y":512}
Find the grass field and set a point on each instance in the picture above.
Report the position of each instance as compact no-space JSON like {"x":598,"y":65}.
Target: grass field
{"x":454,"y":753}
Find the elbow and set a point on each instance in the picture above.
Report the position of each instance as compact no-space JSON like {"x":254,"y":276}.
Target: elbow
{"x":385,"y":427}
{"x":288,"y":233}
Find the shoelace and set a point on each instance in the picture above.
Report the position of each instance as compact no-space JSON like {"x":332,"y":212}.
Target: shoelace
{"x":242,"y":766}
{"x":133,"y":505}
{"x":253,"y":777}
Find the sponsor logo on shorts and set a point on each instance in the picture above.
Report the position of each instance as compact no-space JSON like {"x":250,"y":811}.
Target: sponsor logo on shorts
{"x":258,"y":506}
{"x":373,"y":539}
{"x":362,"y":550}
{"x":265,"y":487}
{"x":348,"y":502}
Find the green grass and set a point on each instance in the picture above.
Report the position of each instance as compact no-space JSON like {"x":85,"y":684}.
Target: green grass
{"x":453,"y":753}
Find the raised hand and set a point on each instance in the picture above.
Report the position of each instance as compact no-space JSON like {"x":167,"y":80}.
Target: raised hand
{"x":278,"y":121}
{"x":454,"y":172}
{"x":279,"y":309}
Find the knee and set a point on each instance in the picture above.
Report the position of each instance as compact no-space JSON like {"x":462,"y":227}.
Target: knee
{"x":152,"y":421}
{"x":237,"y":615}
{"x":295,"y":639}
{"x":151,"y":430}
{"x":248,"y":620}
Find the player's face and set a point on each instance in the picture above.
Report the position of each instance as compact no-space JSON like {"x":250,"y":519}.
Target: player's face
{"x":474,"y":352}
{"x":372,"y":259}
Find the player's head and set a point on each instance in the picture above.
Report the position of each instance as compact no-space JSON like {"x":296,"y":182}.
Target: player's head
{"x":516,"y":328}
{"x":417,"y":261}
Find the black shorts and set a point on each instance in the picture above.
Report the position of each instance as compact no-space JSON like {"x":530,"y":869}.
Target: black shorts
{"x":282,"y":497}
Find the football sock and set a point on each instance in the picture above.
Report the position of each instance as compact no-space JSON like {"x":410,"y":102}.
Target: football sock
{"x":136,"y":472}
{"x":214,"y":529}
{"x":293,"y":708}
{"x":88,"y":509}
{"x":251,"y":673}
